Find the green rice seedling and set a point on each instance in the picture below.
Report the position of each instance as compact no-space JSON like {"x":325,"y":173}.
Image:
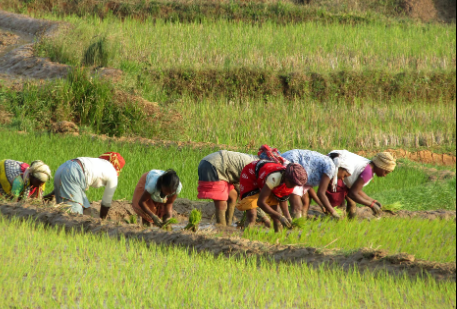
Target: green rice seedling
{"x":339,"y":212}
{"x":299,"y":223}
{"x":133,"y":219}
{"x":168,"y":223}
{"x":421,"y":237}
{"x":395,"y":207}
{"x":49,"y":268}
{"x":194,"y":220}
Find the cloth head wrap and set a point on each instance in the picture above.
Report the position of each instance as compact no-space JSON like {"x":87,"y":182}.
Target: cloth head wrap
{"x":341,"y":161}
{"x":115,"y":159}
{"x":40,"y":171}
{"x":385,"y":161}
{"x":297,"y":174}
{"x":271,"y":154}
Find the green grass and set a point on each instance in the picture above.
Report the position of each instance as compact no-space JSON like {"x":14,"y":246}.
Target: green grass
{"x":49,"y":269}
{"x":404,"y":185}
{"x":304,"y":47}
{"x":429,"y":240}
{"x":313,"y":124}
{"x":281,"y":12}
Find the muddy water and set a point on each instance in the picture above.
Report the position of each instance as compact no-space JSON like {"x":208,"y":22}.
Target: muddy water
{"x":12,"y":40}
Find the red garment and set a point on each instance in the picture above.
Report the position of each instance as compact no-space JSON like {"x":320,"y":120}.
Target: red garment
{"x":337,"y":198}
{"x":24,"y":167}
{"x":254,"y":176}
{"x":115,"y":159}
{"x":267,"y":153}
{"x":214,"y":190}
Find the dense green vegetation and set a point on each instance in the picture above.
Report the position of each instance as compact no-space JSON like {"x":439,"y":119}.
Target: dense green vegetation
{"x":49,"y":268}
{"x":423,"y":238}
{"x":407,"y":184}
{"x":159,"y":45}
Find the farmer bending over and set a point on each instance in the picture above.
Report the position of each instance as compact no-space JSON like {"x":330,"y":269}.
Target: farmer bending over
{"x":265,"y":184}
{"x":218,"y":174}
{"x":75,"y":177}
{"x":18,"y":180}
{"x":154,"y":196}
{"x":364,"y":170}
{"x":320,"y":170}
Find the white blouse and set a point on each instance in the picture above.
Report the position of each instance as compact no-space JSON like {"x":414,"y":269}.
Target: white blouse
{"x":100,"y":173}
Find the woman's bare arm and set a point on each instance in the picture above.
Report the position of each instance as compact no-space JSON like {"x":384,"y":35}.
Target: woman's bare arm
{"x":357,"y":195}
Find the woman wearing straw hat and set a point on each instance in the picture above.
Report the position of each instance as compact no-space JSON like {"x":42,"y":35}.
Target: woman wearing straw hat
{"x":19,"y":180}
{"x":363,"y":171}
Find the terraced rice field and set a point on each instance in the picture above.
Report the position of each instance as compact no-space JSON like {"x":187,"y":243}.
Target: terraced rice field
{"x":322,"y":75}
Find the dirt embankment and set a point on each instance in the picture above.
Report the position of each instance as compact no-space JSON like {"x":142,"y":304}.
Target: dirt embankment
{"x":23,"y":61}
{"x":429,"y":10}
{"x":122,"y":211}
{"x":423,"y":156}
{"x":364,"y":260}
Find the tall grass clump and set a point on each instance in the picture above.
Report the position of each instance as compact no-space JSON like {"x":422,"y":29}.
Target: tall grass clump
{"x":84,"y":99}
{"x":97,"y":54}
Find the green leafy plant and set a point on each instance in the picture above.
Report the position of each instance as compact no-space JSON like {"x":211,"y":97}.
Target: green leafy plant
{"x":194,"y":220}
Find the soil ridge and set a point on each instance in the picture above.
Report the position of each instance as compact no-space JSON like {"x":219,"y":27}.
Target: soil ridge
{"x":363,"y":260}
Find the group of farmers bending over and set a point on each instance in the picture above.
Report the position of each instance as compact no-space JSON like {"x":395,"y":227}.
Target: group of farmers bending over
{"x":262,"y":185}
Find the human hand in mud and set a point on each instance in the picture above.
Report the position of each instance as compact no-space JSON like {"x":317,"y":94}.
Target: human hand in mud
{"x":157,"y":220}
{"x":286,"y":222}
{"x":336,"y":216}
{"x":377,"y":209}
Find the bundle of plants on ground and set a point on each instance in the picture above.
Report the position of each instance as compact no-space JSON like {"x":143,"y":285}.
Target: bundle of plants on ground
{"x":194,"y":220}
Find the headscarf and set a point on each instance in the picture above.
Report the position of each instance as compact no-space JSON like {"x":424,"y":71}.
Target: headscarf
{"x":297,"y":174}
{"x":115,"y":159}
{"x":267,"y":153}
{"x":385,"y":161}
{"x":342,"y":160}
{"x":40,"y":171}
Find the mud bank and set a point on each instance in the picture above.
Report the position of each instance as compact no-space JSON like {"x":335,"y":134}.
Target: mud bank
{"x":364,"y":260}
{"x":122,"y":211}
{"x":423,"y":156}
{"x":22,"y":61}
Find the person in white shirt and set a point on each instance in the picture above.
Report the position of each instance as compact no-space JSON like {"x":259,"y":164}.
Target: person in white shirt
{"x":154,"y":196}
{"x":76,"y":176}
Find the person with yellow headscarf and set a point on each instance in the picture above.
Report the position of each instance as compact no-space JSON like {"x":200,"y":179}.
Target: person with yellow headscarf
{"x":18,"y":180}
{"x":363,"y":171}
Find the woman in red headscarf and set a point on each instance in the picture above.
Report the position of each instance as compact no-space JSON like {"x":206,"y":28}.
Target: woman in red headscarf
{"x":265,"y":184}
{"x":76,"y":176}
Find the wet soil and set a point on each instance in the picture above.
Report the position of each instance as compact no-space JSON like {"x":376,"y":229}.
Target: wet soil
{"x":364,"y":259}
{"x":122,"y":211}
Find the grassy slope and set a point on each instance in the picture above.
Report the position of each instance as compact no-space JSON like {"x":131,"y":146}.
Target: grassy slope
{"x":221,"y":44}
{"x":55,"y":150}
{"x":46,"y":269}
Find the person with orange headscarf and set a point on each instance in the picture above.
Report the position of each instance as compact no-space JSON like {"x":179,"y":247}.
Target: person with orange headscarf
{"x":76,"y":176}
